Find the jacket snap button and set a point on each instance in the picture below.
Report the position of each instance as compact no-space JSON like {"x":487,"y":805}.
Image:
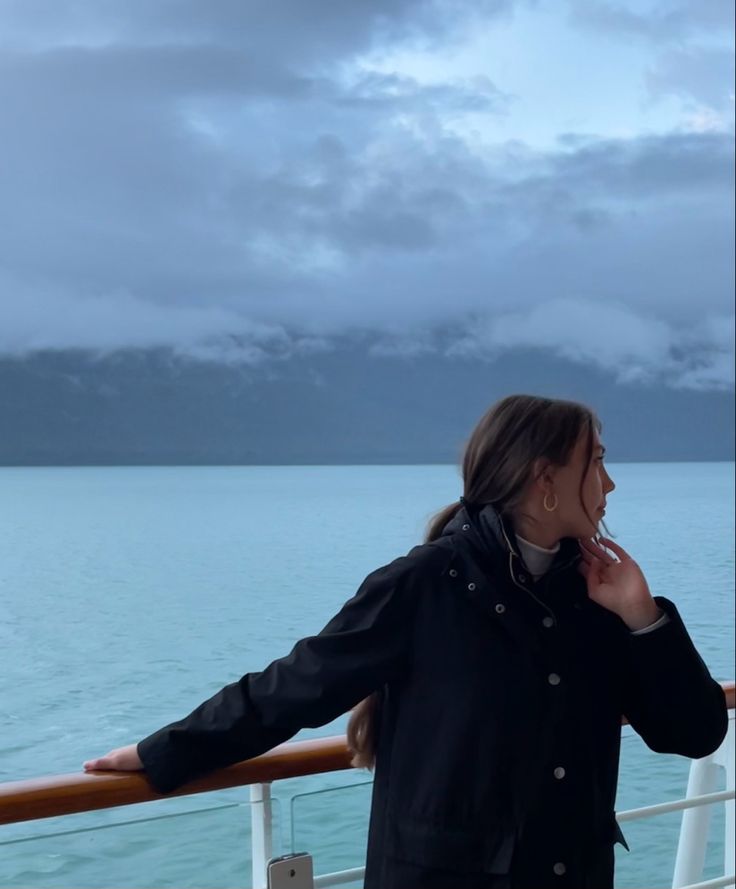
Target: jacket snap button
{"x":500,"y":608}
{"x":471,"y":586}
{"x":559,"y":773}
{"x":548,"y":621}
{"x":466,"y":527}
{"x":559,"y":868}
{"x":453,"y":573}
{"x":553,"y":679}
{"x":522,"y":578}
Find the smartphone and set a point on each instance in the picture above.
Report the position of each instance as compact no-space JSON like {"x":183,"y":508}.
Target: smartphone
{"x":292,"y":871}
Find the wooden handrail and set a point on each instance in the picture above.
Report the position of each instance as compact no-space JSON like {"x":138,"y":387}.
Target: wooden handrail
{"x":85,"y":791}
{"x":69,"y":794}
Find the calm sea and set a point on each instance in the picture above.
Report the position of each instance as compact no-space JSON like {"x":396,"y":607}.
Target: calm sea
{"x":128,"y":595}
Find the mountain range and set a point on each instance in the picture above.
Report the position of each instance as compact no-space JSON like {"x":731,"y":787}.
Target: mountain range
{"x":344,"y":405}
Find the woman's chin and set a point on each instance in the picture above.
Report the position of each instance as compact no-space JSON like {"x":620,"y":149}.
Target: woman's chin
{"x":591,"y":530}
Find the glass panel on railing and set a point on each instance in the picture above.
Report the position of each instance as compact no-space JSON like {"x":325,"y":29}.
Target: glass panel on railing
{"x":653,"y":844}
{"x":207,"y":845}
{"x":645,"y":777}
{"x":714,"y":856}
{"x":332,"y":824}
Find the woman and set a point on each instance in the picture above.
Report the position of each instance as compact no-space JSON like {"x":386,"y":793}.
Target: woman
{"x":490,"y":668}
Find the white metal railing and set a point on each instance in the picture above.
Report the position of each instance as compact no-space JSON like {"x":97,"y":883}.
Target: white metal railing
{"x":706,"y":776}
{"x":261,"y":814}
{"x":703,"y":779}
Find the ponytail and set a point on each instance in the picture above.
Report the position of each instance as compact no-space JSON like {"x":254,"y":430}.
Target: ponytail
{"x":361,"y":731}
{"x":438,"y":521}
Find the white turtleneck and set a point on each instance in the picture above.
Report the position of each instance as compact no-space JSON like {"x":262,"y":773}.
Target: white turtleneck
{"x":536,"y":558}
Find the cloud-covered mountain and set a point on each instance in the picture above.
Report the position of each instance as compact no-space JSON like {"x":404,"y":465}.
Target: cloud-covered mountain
{"x":342,"y":405}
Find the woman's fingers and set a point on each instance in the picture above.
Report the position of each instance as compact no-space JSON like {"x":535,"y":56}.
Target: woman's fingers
{"x":615,"y":548}
{"x":595,"y":551}
{"x":586,"y":556}
{"x":122,"y":759}
{"x":103,"y":762}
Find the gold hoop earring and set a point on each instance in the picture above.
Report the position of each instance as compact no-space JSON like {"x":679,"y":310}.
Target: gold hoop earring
{"x":554,"y":505}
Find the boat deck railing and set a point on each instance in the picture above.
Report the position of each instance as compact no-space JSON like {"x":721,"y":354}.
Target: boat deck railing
{"x":60,"y":795}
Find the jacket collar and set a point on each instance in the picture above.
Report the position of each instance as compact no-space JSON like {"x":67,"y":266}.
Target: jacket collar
{"x":494,"y":536}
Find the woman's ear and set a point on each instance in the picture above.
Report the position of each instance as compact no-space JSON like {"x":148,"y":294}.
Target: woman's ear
{"x":543,"y":475}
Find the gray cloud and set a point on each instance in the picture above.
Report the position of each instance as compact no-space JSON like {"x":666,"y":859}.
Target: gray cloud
{"x":633,"y":346}
{"x":402,"y":94}
{"x":316,"y":33}
{"x":695,"y":40}
{"x":661,"y":22}
{"x":700,"y":74}
{"x":183,"y":180}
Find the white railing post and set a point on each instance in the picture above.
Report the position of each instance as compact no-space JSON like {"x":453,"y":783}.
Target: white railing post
{"x":261,"y":819}
{"x":724,"y":756}
{"x":693,"y":842}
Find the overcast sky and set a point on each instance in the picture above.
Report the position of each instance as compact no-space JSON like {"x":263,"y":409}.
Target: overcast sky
{"x":236,"y":177}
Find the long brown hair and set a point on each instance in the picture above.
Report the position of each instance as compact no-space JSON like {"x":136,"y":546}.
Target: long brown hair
{"x":497,"y":465}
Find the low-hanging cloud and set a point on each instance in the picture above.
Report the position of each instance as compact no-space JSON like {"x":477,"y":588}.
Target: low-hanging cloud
{"x":701,"y":75}
{"x":658,"y":22}
{"x":172,"y":178}
{"x":634,"y":347}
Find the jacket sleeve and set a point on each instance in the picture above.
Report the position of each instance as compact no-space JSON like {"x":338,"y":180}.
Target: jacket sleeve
{"x":669,"y":697}
{"x":357,"y":652}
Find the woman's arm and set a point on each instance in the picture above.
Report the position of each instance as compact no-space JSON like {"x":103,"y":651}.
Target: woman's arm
{"x":668,"y":695}
{"x":358,"y":651}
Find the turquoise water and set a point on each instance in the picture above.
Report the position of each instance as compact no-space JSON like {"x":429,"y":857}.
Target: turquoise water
{"x":128,"y":595}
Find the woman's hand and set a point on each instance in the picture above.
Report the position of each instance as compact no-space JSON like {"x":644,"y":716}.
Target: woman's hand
{"x":122,"y":759}
{"x":617,"y":584}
